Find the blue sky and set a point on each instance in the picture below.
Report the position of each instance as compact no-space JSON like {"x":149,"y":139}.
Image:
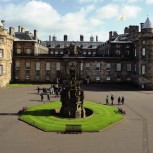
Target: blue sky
{"x":74,"y":17}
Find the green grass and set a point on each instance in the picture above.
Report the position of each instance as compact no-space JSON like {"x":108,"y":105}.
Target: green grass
{"x":39,"y":116}
{"x":18,"y":85}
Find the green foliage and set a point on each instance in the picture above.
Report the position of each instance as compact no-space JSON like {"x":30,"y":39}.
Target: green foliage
{"x":39,"y":116}
{"x":18,"y":85}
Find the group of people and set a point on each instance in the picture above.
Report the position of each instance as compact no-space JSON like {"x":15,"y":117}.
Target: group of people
{"x":120,"y":100}
{"x":53,"y":90}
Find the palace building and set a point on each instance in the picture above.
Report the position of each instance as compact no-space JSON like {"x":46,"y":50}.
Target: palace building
{"x":126,"y":57}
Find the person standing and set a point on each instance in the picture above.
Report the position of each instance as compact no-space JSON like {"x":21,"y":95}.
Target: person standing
{"x":42,"y":97}
{"x":119,"y":100}
{"x":107,"y":100}
{"x":48,"y":97}
{"x":122,"y":100}
{"x":112,"y":99}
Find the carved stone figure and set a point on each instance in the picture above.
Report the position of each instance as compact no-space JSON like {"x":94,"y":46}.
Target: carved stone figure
{"x":72,"y":97}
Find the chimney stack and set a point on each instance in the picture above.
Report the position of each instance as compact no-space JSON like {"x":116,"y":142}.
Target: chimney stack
{"x":65,"y":37}
{"x":35,"y":34}
{"x":11,"y":31}
{"x":50,"y":38}
{"x":81,"y":37}
{"x":97,"y":38}
{"x":22,"y":29}
{"x":141,"y":25}
{"x":3,"y":22}
{"x":19,"y":28}
{"x":110,"y":35}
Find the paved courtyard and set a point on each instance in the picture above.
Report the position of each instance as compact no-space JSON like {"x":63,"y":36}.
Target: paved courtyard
{"x":132,"y":135}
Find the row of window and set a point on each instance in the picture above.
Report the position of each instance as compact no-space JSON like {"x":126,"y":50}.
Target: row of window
{"x":27,"y":50}
{"x":87,"y":66}
{"x":97,"y":78}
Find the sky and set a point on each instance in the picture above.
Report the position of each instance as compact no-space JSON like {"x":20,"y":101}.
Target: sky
{"x":75,"y":17}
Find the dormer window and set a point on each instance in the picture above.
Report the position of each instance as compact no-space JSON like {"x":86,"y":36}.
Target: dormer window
{"x":61,"y":45}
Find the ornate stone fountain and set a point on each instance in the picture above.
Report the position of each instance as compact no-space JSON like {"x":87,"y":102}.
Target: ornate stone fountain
{"x":72,"y":97}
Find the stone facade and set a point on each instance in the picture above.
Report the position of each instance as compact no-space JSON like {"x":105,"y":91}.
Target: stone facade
{"x":6,"y":46}
{"x":124,"y":57}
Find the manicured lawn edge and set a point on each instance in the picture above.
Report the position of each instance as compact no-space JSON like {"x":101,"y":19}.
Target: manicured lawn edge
{"x":39,"y":117}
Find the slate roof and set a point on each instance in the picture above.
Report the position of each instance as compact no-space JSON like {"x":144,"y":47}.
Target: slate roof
{"x":24,"y":36}
{"x":147,"y":24}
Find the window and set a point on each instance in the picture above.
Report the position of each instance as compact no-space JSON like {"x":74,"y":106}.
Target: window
{"x":48,"y":66}
{"x":37,"y":77}
{"x":87,"y":66}
{"x":61,"y":52}
{"x":127,"y":46}
{"x":117,"y":46}
{"x":143,"y":69}
{"x":135,"y":52}
{"x":108,"y":66}
{"x":89,"y":53}
{"x":81,"y":66}
{"x":84,"y":53}
{"x":16,"y":77}
{"x":1,"y":53}
{"x":128,"y":67}
{"x":61,"y":45}
{"x":97,"y":66}
{"x":118,"y":67}
{"x":56,"y":52}
{"x":129,"y":78}
{"x":98,"y":78}
{"x":28,"y":51}
{"x":143,"y":42}
{"x":18,"y":50}
{"x":27,"y":65}
{"x":47,"y":78}
{"x":27,"y":77}
{"x":143,"y":51}
{"x":1,"y":69}
{"x":1,"y":40}
{"x":118,"y":52}
{"x":51,"y":52}
{"x":37,"y":66}
{"x":108,"y":78}
{"x":58,"y":66}
{"x":17,"y":65}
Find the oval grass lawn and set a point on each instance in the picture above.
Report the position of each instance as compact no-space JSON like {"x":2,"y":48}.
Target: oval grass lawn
{"x":102,"y":117}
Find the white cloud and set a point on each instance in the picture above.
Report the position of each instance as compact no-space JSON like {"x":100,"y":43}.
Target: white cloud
{"x":43,"y":17}
{"x":130,"y":11}
{"x":149,"y":1}
{"x":90,"y":1}
{"x":108,"y":11}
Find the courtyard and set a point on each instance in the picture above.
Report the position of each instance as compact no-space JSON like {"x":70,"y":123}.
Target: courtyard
{"x":132,"y":135}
